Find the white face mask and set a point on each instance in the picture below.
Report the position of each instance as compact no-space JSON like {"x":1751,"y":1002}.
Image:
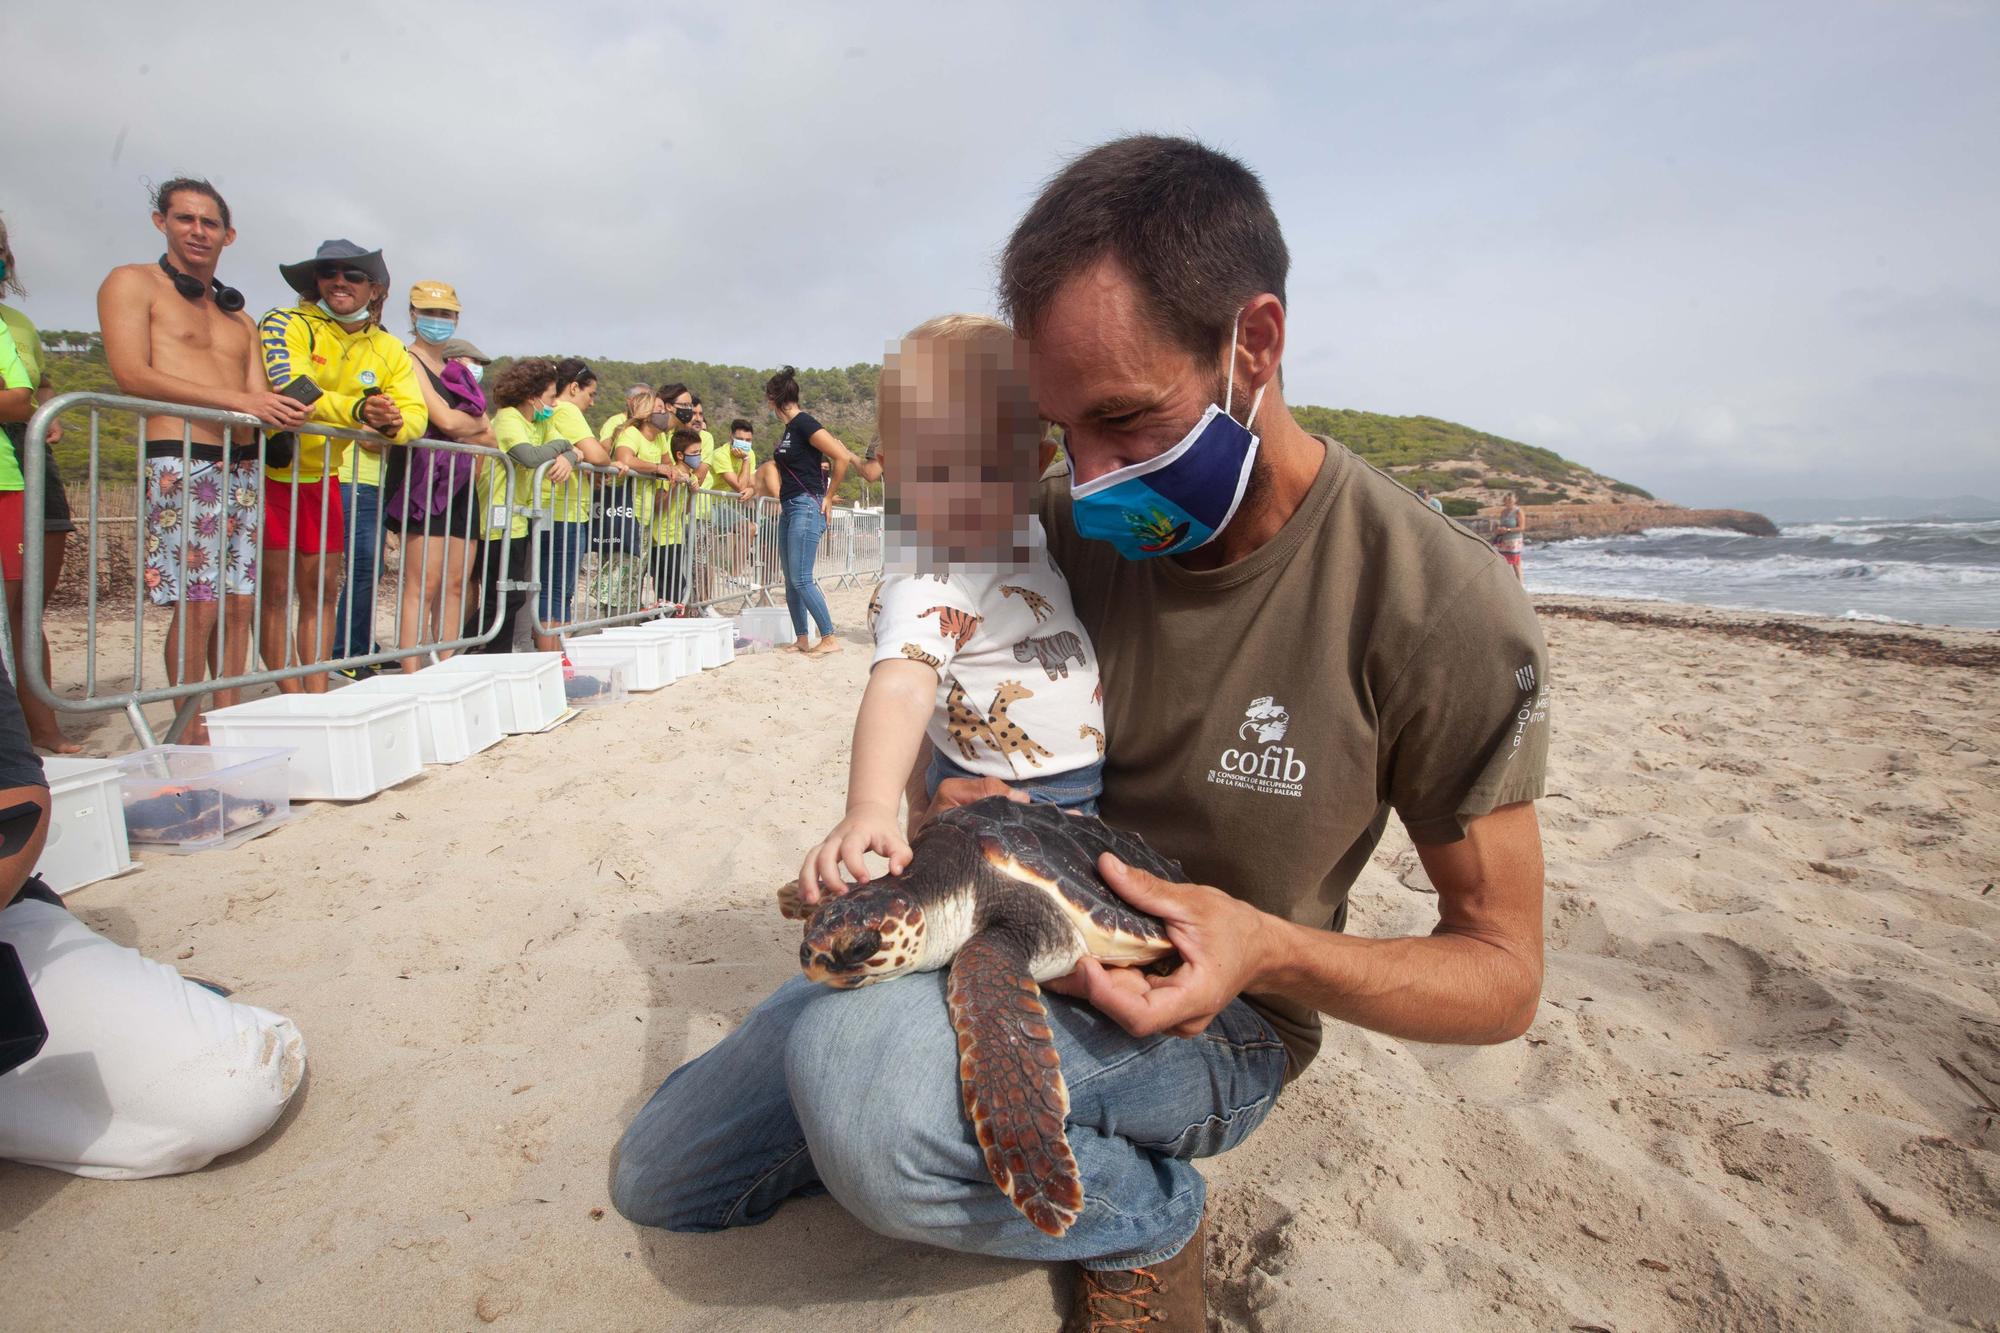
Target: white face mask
{"x":474,"y":369}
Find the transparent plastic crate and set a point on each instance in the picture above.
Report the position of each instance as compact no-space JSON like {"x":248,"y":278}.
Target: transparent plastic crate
{"x":347,"y":746}
{"x":530,"y":685}
{"x":86,"y":840}
{"x":195,"y":798}
{"x":596,"y":689}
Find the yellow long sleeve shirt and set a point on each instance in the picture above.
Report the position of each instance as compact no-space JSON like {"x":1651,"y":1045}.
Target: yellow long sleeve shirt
{"x":302,"y":341}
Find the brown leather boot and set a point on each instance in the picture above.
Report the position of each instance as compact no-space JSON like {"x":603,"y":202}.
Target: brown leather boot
{"x":1169,"y":1297}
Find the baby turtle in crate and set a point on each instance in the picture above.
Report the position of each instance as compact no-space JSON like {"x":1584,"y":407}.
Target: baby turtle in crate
{"x":1007,"y":895}
{"x":190,"y":814}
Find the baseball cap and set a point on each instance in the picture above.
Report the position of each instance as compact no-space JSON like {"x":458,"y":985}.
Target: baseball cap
{"x":434,"y":296}
{"x":454,"y":348}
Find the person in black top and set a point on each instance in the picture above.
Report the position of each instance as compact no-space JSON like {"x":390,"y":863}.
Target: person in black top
{"x":805,"y":498}
{"x":141,"y":1073}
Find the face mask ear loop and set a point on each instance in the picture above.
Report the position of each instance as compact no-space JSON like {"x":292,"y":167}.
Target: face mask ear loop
{"x":1229,"y":369}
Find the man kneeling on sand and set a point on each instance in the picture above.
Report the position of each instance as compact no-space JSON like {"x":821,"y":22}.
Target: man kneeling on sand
{"x":1291,"y":646}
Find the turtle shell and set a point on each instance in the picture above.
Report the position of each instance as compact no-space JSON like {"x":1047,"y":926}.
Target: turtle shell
{"x":1039,"y":844}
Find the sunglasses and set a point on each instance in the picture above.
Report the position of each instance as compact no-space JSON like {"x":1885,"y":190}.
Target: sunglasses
{"x":353,"y":275}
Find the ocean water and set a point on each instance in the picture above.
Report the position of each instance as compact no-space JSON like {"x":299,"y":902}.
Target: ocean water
{"x":1917,"y":572}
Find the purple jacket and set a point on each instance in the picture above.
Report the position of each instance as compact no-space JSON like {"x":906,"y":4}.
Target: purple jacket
{"x":437,"y":475}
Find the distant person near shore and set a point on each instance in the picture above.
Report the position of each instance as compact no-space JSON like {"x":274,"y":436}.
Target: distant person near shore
{"x":175,"y":333}
{"x":23,"y":388}
{"x":1424,"y":494}
{"x":1507,"y":534}
{"x":805,"y":497}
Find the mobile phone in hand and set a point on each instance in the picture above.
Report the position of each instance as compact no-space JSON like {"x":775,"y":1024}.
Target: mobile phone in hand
{"x":302,"y":390}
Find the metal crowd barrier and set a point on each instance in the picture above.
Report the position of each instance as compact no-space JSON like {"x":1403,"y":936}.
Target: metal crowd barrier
{"x":184,"y":530}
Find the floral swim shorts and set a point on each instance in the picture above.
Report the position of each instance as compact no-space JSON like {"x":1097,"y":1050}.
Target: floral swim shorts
{"x":201,"y":528}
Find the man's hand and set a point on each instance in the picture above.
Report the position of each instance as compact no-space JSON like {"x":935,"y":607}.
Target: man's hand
{"x":274,"y":409}
{"x":1223,"y":943}
{"x":964,"y":791}
{"x":381,"y":413}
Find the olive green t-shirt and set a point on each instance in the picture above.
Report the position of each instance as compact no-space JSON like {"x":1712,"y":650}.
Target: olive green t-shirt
{"x":1262,"y":719}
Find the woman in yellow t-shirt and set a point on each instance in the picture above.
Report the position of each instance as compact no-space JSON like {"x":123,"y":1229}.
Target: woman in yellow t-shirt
{"x":561,"y":553}
{"x":638,"y":445}
{"x":524,"y":398}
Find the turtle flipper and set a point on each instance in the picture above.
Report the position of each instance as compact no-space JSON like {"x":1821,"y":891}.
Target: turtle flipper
{"x":791,"y":905}
{"x":1011,"y":1078}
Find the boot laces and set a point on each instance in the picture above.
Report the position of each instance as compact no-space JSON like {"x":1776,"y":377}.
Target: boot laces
{"x":1134,"y":1300}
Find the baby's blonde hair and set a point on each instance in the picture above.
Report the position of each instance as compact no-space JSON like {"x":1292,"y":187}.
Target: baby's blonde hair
{"x":960,"y":327}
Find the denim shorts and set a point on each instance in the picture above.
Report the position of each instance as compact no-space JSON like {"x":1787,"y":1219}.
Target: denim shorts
{"x":1077,"y":790}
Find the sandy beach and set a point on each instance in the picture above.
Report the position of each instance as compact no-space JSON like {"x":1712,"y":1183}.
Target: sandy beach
{"x":1773,"y":932}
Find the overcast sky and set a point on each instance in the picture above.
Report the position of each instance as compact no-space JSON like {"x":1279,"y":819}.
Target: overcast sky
{"x":1729,"y":252}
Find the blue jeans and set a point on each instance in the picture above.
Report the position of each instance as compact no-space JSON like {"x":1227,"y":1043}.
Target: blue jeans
{"x":1077,"y":789}
{"x":557,"y":560}
{"x":855,"y":1093}
{"x":800,"y":526}
{"x":355,"y":636}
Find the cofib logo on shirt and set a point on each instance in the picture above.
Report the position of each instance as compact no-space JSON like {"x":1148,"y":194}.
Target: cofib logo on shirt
{"x":1263,"y":763}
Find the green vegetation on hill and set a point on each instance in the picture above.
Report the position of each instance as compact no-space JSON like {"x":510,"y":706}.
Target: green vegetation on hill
{"x":1421,"y":451}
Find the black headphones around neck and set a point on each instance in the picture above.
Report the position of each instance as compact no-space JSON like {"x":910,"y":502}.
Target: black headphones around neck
{"x":226,"y":298}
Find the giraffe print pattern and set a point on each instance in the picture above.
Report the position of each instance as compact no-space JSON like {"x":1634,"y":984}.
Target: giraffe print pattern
{"x":1004,"y":734}
{"x":1034,"y":601}
{"x":1088,"y":733}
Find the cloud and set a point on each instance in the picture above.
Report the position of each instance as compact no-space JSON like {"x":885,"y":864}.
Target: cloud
{"x":1685,"y":247}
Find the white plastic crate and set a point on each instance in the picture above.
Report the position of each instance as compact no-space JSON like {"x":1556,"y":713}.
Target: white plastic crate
{"x":648,"y":661}
{"x":714,"y":640}
{"x":765,"y":625}
{"x":460,"y":714}
{"x":691,"y":659}
{"x":348,"y":746}
{"x":530,"y":685}
{"x":86,"y":839}
{"x":190,"y":798}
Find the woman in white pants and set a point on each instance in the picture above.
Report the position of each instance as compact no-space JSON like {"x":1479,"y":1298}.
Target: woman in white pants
{"x":142,"y":1073}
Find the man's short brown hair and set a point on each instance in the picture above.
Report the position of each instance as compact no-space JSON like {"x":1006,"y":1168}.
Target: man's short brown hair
{"x":1192,"y":226}
{"x":163,"y":195}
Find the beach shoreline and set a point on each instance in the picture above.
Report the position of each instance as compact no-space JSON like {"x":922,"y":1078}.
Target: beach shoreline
{"x":1771,"y":927}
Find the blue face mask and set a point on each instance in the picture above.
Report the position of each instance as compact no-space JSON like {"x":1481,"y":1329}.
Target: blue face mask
{"x":544,"y":413}
{"x":357,"y":316}
{"x":1180,"y":499}
{"x":433,"y":330}
{"x":693,"y":459}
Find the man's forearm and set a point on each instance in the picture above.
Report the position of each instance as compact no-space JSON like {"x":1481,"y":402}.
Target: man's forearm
{"x":1444,"y":988}
{"x":146,"y":382}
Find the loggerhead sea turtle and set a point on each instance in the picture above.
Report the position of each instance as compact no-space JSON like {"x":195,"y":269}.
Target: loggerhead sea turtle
{"x":1007,"y":895}
{"x":185,"y":814}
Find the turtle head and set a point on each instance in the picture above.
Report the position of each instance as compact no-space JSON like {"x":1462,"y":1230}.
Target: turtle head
{"x":872,"y":932}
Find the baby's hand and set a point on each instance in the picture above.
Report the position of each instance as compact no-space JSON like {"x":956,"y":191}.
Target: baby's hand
{"x":867,"y":828}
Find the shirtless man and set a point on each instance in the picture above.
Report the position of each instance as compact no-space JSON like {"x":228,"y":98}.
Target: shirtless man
{"x":174,"y":333}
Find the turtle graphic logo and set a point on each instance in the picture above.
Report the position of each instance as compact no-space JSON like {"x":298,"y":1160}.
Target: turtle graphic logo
{"x":1156,"y":531}
{"x":1267,"y":718}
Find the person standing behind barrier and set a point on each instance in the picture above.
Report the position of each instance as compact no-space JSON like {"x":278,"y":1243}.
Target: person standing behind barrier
{"x":637,"y":440}
{"x":561,"y":553}
{"x":23,"y":388}
{"x":524,"y":395}
{"x":427,"y":494}
{"x":805,"y":497}
{"x":329,"y":350}
{"x":173,"y":332}
{"x":459,"y":352}
{"x":673,"y":525}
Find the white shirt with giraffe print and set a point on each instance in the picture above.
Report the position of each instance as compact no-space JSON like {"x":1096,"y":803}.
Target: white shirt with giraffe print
{"x":1018,"y":691}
